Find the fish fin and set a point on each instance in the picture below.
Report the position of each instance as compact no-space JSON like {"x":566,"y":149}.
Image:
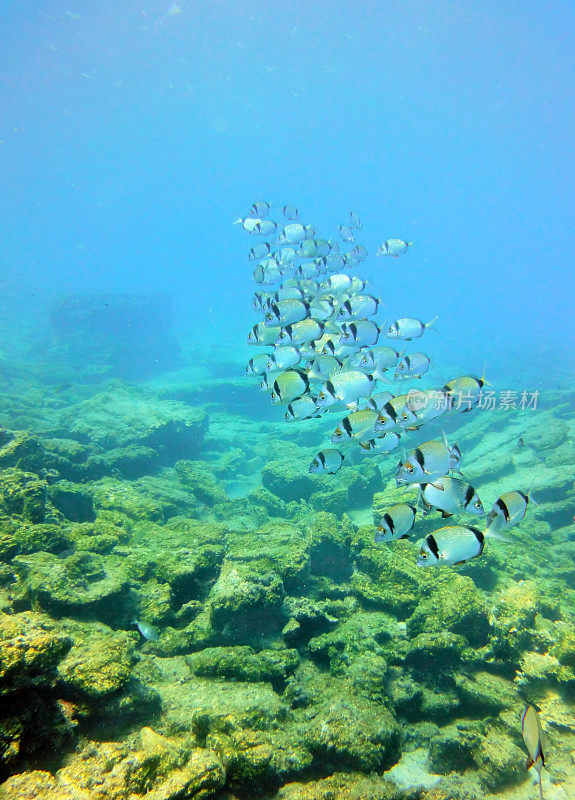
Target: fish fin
{"x":529,"y":762}
{"x":483,"y":378}
{"x":497,"y":536}
{"x":438,"y":486}
{"x":446,"y":514}
{"x":405,"y":536}
{"x":432,"y":322}
{"x":458,"y":563}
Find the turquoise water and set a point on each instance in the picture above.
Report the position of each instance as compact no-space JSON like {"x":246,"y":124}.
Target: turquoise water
{"x":186,"y":610}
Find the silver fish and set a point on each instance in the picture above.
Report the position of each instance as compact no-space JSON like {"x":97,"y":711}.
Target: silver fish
{"x":383,"y":444}
{"x":362,"y":333}
{"x":412,"y":366}
{"x":257,"y":365}
{"x":262,"y":335}
{"x":429,"y":461}
{"x":452,"y":545}
{"x":393,"y":247}
{"x":301,"y":408}
{"x":346,"y":387}
{"x":288,"y":385}
{"x":357,"y":425}
{"x":286,"y":312}
{"x":408,"y":328}
{"x":283,"y":358}
{"x":508,"y":510}
{"x":329,"y":461}
{"x":450,"y":496}
{"x":395,"y":523}
{"x":533,"y":738}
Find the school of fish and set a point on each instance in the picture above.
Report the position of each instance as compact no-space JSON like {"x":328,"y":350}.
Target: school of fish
{"x":325,"y":352}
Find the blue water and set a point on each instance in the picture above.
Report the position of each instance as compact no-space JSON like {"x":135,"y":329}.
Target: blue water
{"x":133,"y":134}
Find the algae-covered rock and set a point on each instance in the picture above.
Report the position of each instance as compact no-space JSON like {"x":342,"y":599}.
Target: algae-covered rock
{"x":452,"y":603}
{"x":485,"y":693}
{"x":452,"y":750}
{"x":514,"y":627}
{"x":21,"y":449}
{"x":23,"y":494}
{"x":355,"y":734}
{"x":18,"y":537}
{"x":198,"y":476}
{"x":99,"y":663}
{"x":31,"y":646}
{"x":126,"y":415}
{"x":362,"y":632}
{"x":73,"y":500}
{"x":501,"y":763}
{"x":242,"y":663}
{"x":431,"y":653}
{"x":329,"y":546}
{"x":245,"y":605}
{"x":288,"y":481}
{"x":83,"y":584}
{"x":386,"y":577}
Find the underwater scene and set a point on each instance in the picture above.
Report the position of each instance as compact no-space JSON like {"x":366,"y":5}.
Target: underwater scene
{"x":287,"y":400}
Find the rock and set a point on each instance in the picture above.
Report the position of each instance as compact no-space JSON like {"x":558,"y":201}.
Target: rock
{"x":99,"y":663}
{"x":329,"y":547}
{"x":452,"y":750}
{"x":432,"y":653}
{"x":386,"y":577}
{"x":355,"y":734}
{"x":83,"y":584}
{"x":31,"y":647}
{"x":288,"y":481}
{"x":23,"y":538}
{"x":74,"y":501}
{"x":501,"y":763}
{"x":246,"y":606}
{"x":514,"y":628}
{"x":21,"y":449}
{"x":242,"y":663}
{"x":125,"y":416}
{"x":23,"y":494}
{"x":452,"y":604}
{"x":202,"y":482}
{"x":485,"y":693}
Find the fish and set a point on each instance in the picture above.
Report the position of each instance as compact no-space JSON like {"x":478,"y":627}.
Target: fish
{"x":258,"y":364}
{"x":359,"y":252}
{"x":382,"y":444}
{"x":294,"y":233}
{"x":290,"y":212}
{"x":346,"y":233}
{"x":395,"y":523}
{"x":329,"y":460}
{"x":322,"y":366}
{"x":464,"y":393}
{"x":412,"y":366}
{"x":450,"y":496}
{"x":260,"y":250}
{"x":394,"y":414}
{"x":268,"y":272}
{"x":533,"y":738}
{"x":260,"y":300}
{"x":259,"y":209}
{"x":286,"y":255}
{"x":257,"y":227}
{"x":262,"y":335}
{"x":354,"y":220}
{"x":357,"y":425}
{"x":286,"y":312}
{"x":378,"y":400}
{"x":362,"y":333}
{"x":520,"y":442}
{"x":426,"y":405}
{"x":509,"y":509}
{"x":393,"y":247}
{"x":346,"y":387}
{"x":301,"y":408}
{"x":308,"y":330}
{"x":357,"y":307}
{"x":376,"y":360}
{"x":147,"y":630}
{"x":288,"y":385}
{"x":283,"y":358}
{"x":431,"y":460}
{"x":287,"y":293}
{"x":449,"y":546}
{"x":408,"y":328}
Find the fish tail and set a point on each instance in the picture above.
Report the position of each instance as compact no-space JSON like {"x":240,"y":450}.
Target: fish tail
{"x":484,"y":380}
{"x":540,"y":788}
{"x":492,"y":535}
{"x":431,"y":321}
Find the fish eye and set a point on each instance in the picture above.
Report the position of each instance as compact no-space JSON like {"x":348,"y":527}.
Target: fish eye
{"x":423,"y":554}
{"x":410,"y":470}
{"x":478,"y":504}
{"x":273,"y":395}
{"x":404,"y":415}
